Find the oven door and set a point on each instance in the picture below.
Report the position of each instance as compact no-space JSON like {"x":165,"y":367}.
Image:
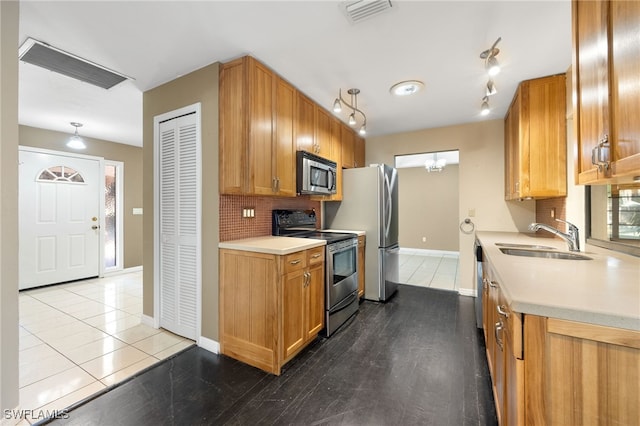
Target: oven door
{"x":342,"y":270}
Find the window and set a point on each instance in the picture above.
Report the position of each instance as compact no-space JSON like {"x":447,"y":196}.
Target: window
{"x":60,"y":174}
{"x":113,"y":208}
{"x":624,"y":212}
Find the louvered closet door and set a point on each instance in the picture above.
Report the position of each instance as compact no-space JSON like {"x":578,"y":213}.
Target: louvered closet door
{"x":179,"y":225}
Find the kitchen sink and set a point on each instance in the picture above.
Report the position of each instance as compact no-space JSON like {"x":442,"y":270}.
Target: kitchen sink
{"x":525,"y":246}
{"x":543,"y":254}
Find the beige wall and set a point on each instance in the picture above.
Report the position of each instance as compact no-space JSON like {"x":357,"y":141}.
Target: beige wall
{"x":481,"y":179}
{"x":428,"y":204}
{"x":9,"y":12}
{"x":131,"y":156}
{"x":198,"y":86}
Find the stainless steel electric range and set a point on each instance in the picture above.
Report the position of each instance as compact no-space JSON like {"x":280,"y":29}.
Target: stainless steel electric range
{"x":341,"y":263}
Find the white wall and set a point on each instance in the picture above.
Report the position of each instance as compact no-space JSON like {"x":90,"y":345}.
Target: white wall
{"x":481,"y":179}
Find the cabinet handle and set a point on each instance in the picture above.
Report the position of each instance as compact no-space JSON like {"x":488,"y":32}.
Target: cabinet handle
{"x":315,"y":256}
{"x":517,"y":188}
{"x":307,"y":279}
{"x":273,"y":184}
{"x":497,"y":331}
{"x":502,"y":311}
{"x":493,"y":284}
{"x":600,"y":154}
{"x":295,"y":262}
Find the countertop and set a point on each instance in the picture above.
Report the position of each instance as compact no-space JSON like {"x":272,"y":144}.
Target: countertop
{"x":272,"y":245}
{"x":603,"y":291}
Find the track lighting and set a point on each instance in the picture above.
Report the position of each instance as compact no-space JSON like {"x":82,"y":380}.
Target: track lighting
{"x":491,"y":88}
{"x":484,"y":108}
{"x":353,"y":106}
{"x":75,"y":141}
{"x":493,"y":68}
{"x":489,"y":55}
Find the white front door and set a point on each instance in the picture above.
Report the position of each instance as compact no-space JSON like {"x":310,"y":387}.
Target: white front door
{"x":59,"y":223}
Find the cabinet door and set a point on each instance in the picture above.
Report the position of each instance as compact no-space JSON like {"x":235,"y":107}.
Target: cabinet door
{"x":261,"y":146}
{"x":590,"y":65}
{"x":336,"y":149}
{"x":544,"y":150}
{"x":285,"y":147}
{"x":346,"y":138}
{"x":232,"y":127}
{"x":293,"y":306}
{"x":305,"y":124}
{"x":625,"y":87}
{"x":323,"y":134}
{"x":315,"y":300}
{"x":512,"y":150}
{"x":358,"y":151}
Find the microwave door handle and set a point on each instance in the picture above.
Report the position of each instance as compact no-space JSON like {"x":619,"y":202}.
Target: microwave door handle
{"x":332,"y":184}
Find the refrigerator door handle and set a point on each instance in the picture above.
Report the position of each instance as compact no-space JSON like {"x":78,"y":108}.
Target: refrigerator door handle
{"x":389,"y":208}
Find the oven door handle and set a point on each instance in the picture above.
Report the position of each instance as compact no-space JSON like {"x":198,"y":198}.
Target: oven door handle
{"x":344,"y":303}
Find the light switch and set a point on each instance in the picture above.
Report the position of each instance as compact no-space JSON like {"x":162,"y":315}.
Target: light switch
{"x":472,"y":213}
{"x":137,"y":211}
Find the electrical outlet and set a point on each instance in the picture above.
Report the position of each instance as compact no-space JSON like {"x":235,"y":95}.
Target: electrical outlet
{"x":424,"y":239}
{"x":553,"y":212}
{"x":472,"y":213}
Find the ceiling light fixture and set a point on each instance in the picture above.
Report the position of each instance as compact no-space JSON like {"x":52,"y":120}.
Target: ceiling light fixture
{"x":406,"y":88}
{"x":484,"y":108}
{"x":435,"y":164}
{"x":489,"y":55}
{"x":491,"y":88}
{"x":353,"y":106}
{"x":75,"y":141}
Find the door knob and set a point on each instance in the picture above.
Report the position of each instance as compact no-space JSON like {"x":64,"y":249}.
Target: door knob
{"x":95,"y":227}
{"x":95,"y":219}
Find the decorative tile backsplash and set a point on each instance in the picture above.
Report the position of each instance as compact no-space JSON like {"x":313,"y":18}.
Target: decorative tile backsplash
{"x":544,"y":208}
{"x":233,"y":226}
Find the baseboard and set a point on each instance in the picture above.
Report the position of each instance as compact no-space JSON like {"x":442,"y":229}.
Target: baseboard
{"x":209,"y":344}
{"x":427,"y":252}
{"x":149,"y":321}
{"x":123,"y":271}
{"x":467,"y":292}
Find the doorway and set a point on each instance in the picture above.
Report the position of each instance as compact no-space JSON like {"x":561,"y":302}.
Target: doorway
{"x":60,"y":217}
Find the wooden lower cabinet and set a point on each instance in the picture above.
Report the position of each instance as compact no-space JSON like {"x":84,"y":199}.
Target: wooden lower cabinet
{"x":580,"y":374}
{"x":548,"y":371}
{"x":270,"y":306}
{"x":361,"y":265}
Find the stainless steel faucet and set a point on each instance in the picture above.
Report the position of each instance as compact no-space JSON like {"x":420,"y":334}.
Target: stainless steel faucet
{"x":572,"y":237}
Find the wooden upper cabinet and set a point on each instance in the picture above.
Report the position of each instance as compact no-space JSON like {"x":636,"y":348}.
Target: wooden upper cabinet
{"x":323,"y":139}
{"x":606,"y":90}
{"x":536,"y":141}
{"x":285,"y":148}
{"x":305,"y":124}
{"x":347,"y":140}
{"x":257,"y":150}
{"x":358,"y":151}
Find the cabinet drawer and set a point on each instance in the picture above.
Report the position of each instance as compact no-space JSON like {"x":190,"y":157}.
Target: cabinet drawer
{"x":295,"y":261}
{"x":316,"y":255}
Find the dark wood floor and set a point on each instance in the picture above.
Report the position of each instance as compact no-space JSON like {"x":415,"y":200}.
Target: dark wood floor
{"x":415,"y":360}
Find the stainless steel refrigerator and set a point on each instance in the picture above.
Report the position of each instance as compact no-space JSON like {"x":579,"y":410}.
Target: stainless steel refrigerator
{"x":370,"y":203}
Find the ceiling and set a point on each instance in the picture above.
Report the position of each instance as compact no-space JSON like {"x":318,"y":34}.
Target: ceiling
{"x":310,"y":43}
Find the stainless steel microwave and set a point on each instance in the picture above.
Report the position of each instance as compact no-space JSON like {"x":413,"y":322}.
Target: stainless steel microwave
{"x":315,"y":175}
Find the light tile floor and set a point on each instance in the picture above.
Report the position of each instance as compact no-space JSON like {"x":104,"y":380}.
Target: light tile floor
{"x":78,"y":338}
{"x":429,"y":269}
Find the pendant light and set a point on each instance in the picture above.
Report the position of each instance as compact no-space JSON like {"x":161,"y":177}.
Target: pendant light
{"x":75,"y":141}
{"x":353,"y":106}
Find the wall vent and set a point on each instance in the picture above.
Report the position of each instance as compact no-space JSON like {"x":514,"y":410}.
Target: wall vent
{"x":360,"y":10}
{"x":46,"y":56}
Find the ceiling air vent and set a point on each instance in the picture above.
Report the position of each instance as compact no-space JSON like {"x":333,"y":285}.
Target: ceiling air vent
{"x":46,"y":56}
{"x":363,"y":9}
